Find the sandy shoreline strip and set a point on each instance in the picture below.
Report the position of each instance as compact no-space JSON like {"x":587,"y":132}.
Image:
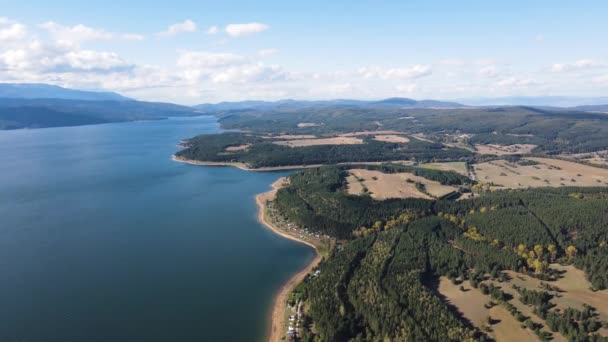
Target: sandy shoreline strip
{"x":277,"y":318}
{"x":245,"y":167}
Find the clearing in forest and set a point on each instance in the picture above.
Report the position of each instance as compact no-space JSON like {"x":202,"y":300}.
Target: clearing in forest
{"x":393,"y":185}
{"x":598,"y":157}
{"x":458,"y":167}
{"x":575,"y":290}
{"x":545,"y":172}
{"x":503,"y":150}
{"x":290,"y":136}
{"x":238,"y":148}
{"x":392,"y":138}
{"x":356,"y":134}
{"x":321,"y":141}
{"x":471,"y":304}
{"x":309,"y":124}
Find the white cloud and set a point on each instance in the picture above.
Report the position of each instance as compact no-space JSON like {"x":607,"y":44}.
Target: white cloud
{"x":406,"y":88}
{"x":201,"y":59}
{"x":257,"y":72}
{"x":238,"y":30}
{"x":578,"y":65}
{"x":517,"y":82}
{"x":13,"y":32}
{"x":92,"y":60}
{"x":267,"y":52}
{"x":415,"y":71}
{"x":213,"y":30}
{"x":539,"y":37}
{"x":80,"y":33}
{"x":488,"y":71}
{"x":198,"y":66}
{"x":4,"y":21}
{"x":50,"y":58}
{"x":183,"y":27}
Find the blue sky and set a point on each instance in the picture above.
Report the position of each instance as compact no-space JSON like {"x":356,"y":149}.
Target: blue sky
{"x":235,"y":50}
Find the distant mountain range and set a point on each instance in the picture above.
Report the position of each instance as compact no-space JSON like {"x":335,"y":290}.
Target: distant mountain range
{"x":40,"y":105}
{"x":396,"y":102}
{"x":31,"y":105}
{"x":47,"y":91}
{"x":545,"y":101}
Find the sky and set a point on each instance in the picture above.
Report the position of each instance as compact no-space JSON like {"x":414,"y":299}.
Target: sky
{"x":192,"y":52}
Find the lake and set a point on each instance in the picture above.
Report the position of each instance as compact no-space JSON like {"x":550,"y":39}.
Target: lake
{"x":104,"y":238}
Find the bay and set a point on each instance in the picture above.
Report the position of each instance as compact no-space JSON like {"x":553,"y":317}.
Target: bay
{"x":104,"y":238}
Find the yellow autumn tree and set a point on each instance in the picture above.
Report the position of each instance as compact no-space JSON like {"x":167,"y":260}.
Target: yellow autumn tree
{"x":521,"y":249}
{"x":552,"y":249}
{"x":538,"y":249}
{"x":571,"y":251}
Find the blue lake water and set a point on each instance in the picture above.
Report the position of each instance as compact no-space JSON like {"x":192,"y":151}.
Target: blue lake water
{"x":104,"y":238}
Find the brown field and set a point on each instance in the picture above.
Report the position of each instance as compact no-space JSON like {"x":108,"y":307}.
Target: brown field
{"x":503,"y":150}
{"x":598,"y":157}
{"x":290,"y":136}
{"x":322,"y":141}
{"x":393,"y":185}
{"x":391,"y":138}
{"x":308,"y":124}
{"x":509,"y":329}
{"x":422,"y":137}
{"x":549,"y":172}
{"x":575,"y":291}
{"x":470,"y":304}
{"x":458,"y":167}
{"x":355,"y":134}
{"x":237,"y":148}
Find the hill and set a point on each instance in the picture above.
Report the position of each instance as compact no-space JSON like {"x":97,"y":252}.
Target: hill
{"x":39,"y":113}
{"x":395,"y":102}
{"x":47,"y":91}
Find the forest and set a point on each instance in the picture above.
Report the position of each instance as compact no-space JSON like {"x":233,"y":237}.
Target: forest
{"x":382,"y":283}
{"x":264,"y":153}
{"x":554,"y":130}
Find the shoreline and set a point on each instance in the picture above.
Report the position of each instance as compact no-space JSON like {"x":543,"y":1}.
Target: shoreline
{"x":277,"y":313}
{"x":245,"y":167}
{"x":242,"y":166}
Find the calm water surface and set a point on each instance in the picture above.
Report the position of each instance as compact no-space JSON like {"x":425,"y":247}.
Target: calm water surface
{"x":104,"y":238}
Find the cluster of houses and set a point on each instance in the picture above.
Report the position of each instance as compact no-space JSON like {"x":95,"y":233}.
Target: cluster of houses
{"x":295,"y":321}
{"x":305,"y":231}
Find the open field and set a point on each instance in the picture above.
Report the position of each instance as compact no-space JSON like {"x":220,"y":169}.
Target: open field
{"x":458,"y":167}
{"x":548,"y":172}
{"x":470,"y":303}
{"x":308,"y":124}
{"x":356,"y":134}
{"x":598,"y":157}
{"x":503,"y":150}
{"x":422,"y":137}
{"x":576,"y":289}
{"x":395,"y":185}
{"x":322,"y":141}
{"x":289,"y":136}
{"x":391,"y":138}
{"x":237,"y":148}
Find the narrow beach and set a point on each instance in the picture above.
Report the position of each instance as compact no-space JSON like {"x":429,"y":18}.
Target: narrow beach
{"x":277,"y":318}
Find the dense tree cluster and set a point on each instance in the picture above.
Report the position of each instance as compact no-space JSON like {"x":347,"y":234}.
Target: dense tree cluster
{"x":382,"y":284}
{"x":554,"y":131}
{"x":264,"y":153}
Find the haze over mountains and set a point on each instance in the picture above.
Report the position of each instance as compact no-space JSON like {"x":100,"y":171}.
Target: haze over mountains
{"x":48,"y":91}
{"x":43,"y":105}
